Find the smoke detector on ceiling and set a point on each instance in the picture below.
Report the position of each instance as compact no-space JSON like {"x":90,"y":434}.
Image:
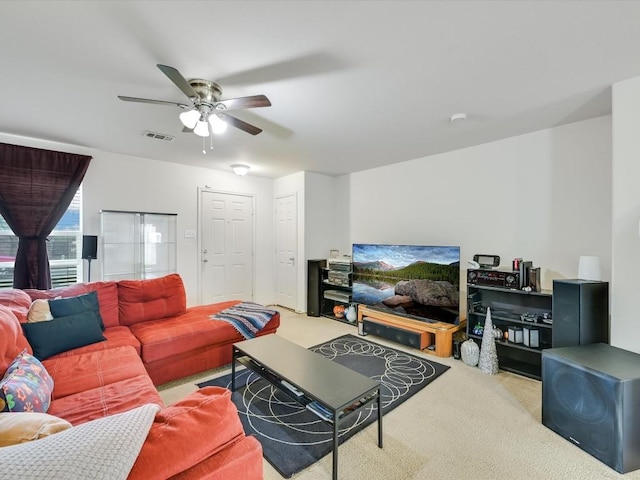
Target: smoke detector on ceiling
{"x":158,"y":136}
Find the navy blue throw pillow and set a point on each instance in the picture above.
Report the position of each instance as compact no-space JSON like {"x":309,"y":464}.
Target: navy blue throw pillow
{"x":63,"y":307}
{"x":62,"y":334}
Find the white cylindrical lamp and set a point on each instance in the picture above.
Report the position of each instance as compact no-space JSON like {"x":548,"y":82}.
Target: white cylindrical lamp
{"x":589,"y":268}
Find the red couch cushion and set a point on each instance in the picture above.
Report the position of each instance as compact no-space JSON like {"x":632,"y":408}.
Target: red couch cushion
{"x":242,"y":460}
{"x":208,"y":415}
{"x":143,"y":300}
{"x":110,"y":399}
{"x":76,"y":373}
{"x":168,"y":337}
{"x":18,"y":301}
{"x":12,"y":340}
{"x":107,"y":297}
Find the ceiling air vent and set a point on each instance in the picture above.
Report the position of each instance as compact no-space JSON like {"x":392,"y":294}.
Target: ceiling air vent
{"x":158,"y":136}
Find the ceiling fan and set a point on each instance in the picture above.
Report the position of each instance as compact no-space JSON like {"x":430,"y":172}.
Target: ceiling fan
{"x":206,"y":110}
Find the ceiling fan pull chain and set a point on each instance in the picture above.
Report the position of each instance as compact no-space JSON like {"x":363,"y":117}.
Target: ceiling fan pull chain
{"x":204,"y":147}
{"x":211,"y":142}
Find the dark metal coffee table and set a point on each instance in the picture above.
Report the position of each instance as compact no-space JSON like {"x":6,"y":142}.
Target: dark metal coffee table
{"x":312,"y":380}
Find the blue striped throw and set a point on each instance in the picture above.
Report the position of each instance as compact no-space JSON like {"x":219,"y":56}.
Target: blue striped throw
{"x":247,"y":318}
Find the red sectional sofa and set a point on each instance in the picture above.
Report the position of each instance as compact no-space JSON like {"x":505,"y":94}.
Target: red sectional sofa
{"x":151,"y":338}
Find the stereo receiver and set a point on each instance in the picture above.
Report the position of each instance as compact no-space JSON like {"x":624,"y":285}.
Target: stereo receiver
{"x":493,"y":278}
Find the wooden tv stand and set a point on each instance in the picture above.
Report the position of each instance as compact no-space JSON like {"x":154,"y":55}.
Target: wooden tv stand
{"x":438,"y":333}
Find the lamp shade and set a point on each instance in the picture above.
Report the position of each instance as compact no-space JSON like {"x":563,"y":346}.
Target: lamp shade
{"x":190,"y":119}
{"x":589,"y":268}
{"x":217,"y":124}
{"x":201,"y":129}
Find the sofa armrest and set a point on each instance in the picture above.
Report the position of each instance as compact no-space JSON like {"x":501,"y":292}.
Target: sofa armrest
{"x":188,"y":432}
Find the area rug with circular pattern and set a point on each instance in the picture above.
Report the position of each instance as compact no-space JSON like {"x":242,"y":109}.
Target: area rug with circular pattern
{"x":292,"y":437}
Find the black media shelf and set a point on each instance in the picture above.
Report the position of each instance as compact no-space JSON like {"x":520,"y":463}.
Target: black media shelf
{"x":507,"y":306}
{"x":582,"y":305}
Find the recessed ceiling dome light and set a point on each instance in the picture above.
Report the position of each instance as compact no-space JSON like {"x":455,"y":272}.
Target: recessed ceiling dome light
{"x":458,"y":117}
{"x":240,"y":169}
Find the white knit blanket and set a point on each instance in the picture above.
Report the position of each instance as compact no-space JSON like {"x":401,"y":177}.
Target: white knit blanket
{"x":103,"y":449}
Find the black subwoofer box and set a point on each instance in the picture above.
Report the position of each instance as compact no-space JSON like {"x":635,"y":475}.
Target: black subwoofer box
{"x":591,"y":397}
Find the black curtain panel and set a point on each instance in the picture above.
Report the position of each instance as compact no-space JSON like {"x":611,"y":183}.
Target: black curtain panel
{"x":36,"y":188}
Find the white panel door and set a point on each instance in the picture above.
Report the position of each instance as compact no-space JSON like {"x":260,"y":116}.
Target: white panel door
{"x":226,"y":240}
{"x":286,"y":251}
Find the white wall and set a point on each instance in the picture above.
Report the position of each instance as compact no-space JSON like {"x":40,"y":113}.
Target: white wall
{"x":119,"y":182}
{"x":625,"y":319}
{"x":544,"y":196}
{"x":319,"y":211}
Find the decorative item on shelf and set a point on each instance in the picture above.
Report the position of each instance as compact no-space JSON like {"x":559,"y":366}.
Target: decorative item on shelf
{"x":351,"y":313}
{"x":338,"y":311}
{"x":477,"y":329}
{"x":470,"y":352}
{"x":523,"y":270}
{"x":515,"y":334}
{"x":531,"y":337}
{"x":497,"y":333}
{"x":488,"y":361}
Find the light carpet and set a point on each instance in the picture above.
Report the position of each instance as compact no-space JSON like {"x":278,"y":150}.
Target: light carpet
{"x":468,"y":425}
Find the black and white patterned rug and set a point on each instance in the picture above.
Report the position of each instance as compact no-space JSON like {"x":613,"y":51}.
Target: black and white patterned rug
{"x":292,"y":437}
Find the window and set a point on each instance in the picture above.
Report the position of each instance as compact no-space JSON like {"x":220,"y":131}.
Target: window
{"x":138,"y":245}
{"x":63,"y":247}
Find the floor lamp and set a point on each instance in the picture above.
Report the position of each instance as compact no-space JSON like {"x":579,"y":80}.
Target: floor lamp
{"x":89,"y":251}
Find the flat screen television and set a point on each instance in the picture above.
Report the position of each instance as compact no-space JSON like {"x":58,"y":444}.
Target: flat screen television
{"x":416,"y":281}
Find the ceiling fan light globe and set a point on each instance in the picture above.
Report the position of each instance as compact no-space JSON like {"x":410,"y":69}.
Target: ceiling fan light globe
{"x":217,"y":124}
{"x":190,"y":119}
{"x":201,"y":129}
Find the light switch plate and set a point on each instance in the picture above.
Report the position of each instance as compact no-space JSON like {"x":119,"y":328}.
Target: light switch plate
{"x":189,"y":234}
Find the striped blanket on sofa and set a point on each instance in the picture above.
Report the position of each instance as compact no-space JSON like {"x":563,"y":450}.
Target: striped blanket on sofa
{"x":247,"y":318}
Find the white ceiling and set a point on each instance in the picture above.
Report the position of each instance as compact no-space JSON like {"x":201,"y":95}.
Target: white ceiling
{"x":354,"y":84}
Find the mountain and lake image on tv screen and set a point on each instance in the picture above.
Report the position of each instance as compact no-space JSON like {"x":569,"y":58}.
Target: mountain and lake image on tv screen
{"x":417,"y":281}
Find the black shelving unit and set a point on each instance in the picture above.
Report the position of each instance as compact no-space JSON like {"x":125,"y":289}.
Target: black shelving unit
{"x":507,"y":310}
{"x":336,"y":289}
{"x":577,"y":313}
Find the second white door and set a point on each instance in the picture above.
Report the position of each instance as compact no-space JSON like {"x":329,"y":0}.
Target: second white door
{"x":287,"y":251}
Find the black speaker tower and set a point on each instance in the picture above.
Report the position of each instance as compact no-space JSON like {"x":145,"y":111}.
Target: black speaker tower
{"x":89,"y":251}
{"x":314,"y":284}
{"x":580,"y":312}
{"x":590,"y":396}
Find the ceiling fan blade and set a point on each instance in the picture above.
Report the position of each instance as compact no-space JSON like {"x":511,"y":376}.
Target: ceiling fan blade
{"x":176,"y":77}
{"x":236,"y":122}
{"x":156,"y":102}
{"x":254,"y":101}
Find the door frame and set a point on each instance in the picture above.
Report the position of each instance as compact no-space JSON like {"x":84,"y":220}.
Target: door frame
{"x":201,"y":191}
{"x":293,"y":194}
